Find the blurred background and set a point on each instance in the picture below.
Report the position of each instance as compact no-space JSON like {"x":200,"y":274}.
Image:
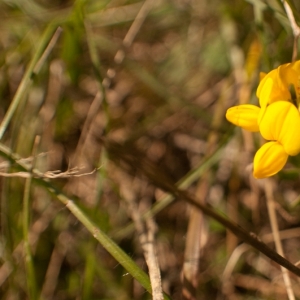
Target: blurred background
{"x":156,"y":77}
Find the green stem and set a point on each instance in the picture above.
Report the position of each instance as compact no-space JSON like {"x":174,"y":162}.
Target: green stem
{"x":97,"y":233}
{"x":31,"y":278}
{"x":27,"y":78}
{"x":31,"y":281}
{"x":96,"y":62}
{"x":166,"y":200}
{"x":161,"y":180}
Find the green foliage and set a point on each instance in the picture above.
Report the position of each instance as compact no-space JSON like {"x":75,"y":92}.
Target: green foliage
{"x":162,"y":99}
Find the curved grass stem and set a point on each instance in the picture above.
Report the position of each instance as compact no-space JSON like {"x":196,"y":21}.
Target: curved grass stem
{"x":121,"y":257}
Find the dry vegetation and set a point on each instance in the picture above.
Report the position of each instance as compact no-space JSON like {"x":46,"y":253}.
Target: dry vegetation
{"x":116,"y":102}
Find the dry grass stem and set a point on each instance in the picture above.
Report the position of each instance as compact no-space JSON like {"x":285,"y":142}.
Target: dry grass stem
{"x":268,"y":289}
{"x":295,"y":27}
{"x":196,"y":234}
{"x":58,"y":254}
{"x":50,"y":174}
{"x":137,"y":167}
{"x":146,"y":232}
{"x":47,"y":51}
{"x":128,"y":39}
{"x":269,"y":192}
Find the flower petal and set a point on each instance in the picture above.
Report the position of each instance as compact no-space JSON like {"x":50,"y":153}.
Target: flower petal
{"x":290,"y":74}
{"x":269,"y":160}
{"x":264,"y":90}
{"x":281,"y":122}
{"x":244,"y":116}
{"x":274,"y":86}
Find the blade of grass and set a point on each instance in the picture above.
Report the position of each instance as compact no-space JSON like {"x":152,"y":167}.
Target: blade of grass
{"x":97,"y":233}
{"x":31,"y":278}
{"x":34,"y":66}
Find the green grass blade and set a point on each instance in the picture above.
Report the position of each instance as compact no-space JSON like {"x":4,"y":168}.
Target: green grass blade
{"x":27,"y":78}
{"x":97,"y":233}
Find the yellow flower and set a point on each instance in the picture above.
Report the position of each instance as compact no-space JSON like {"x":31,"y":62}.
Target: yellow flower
{"x":276,"y":85}
{"x":279,"y":123}
{"x":277,"y":120}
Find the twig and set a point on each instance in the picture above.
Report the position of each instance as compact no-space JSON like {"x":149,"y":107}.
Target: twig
{"x":104,"y":83}
{"x":154,"y":271}
{"x":146,"y":232}
{"x":295,"y":28}
{"x":274,"y":225}
{"x":162,"y":181}
{"x":128,"y":39}
{"x":47,"y":51}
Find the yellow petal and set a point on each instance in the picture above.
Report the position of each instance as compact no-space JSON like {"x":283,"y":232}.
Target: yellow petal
{"x":244,"y":116}
{"x":273,"y":87}
{"x":264,"y":90}
{"x":296,"y":66}
{"x":289,"y":74}
{"x":269,"y":160}
{"x":281,"y":122}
